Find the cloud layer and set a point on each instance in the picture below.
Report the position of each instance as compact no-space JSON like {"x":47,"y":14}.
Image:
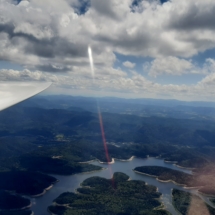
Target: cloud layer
{"x":50,"y":39}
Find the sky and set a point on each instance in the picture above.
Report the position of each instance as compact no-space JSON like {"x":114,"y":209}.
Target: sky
{"x":141,"y":48}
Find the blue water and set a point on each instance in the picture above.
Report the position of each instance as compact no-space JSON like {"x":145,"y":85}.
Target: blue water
{"x":70,"y":183}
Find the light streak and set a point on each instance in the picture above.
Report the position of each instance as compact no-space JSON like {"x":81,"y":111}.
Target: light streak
{"x":91,"y":62}
{"x":103,"y":134}
{"x":100,"y":115}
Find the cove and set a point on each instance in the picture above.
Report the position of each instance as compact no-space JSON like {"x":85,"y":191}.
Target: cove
{"x":72,"y":182}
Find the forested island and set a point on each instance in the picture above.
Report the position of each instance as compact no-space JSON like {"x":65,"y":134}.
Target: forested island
{"x":187,"y":203}
{"x":110,"y":197}
{"x":165,"y":174}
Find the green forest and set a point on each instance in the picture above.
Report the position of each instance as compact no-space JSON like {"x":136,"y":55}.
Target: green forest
{"x":12,"y":201}
{"x":165,"y":174}
{"x":12,"y":204}
{"x":116,"y":196}
{"x":51,"y":137}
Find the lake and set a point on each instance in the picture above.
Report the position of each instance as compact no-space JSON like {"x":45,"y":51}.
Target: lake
{"x":72,"y":182}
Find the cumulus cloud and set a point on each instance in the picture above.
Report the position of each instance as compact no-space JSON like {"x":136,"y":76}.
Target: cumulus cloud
{"x":209,"y":80}
{"x":171,"y":66}
{"x":53,"y":30}
{"x":135,"y":85}
{"x":129,"y":64}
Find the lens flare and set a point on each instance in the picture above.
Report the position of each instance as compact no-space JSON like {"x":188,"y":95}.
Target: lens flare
{"x":103,"y":135}
{"x":91,"y":62}
{"x":100,"y":115}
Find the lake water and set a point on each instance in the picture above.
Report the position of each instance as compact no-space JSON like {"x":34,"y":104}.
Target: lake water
{"x":70,"y":183}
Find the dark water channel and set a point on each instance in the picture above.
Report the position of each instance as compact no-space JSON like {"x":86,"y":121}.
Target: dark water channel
{"x":70,"y":183}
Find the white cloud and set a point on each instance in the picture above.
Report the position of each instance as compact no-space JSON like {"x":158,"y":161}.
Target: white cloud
{"x":52,"y":31}
{"x":129,"y":64}
{"x":48,"y":37}
{"x":135,"y":85}
{"x":171,"y":66}
{"x":209,"y":80}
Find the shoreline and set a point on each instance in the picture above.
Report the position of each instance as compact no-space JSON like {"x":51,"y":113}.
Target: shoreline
{"x":112,"y":161}
{"x":154,"y":176}
{"x":26,"y":207}
{"x":21,"y":209}
{"x":182,"y":185}
{"x":188,"y":168}
{"x":173,"y":162}
{"x":87,"y":162}
{"x":97,"y":160}
{"x":132,"y":157}
{"x":192,"y":188}
{"x":90,"y":171}
{"x":167,"y":181}
{"x":44,"y":191}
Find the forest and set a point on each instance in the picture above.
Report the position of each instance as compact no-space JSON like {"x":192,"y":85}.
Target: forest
{"x":10,"y":201}
{"x":25,"y":182}
{"x":53,"y":136}
{"x":13,"y":204}
{"x":116,"y":196}
{"x":166,"y":174}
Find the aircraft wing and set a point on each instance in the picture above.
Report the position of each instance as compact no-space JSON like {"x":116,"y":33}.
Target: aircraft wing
{"x":12,"y":93}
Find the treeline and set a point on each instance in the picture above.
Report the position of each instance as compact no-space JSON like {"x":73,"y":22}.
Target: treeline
{"x":64,"y":159}
{"x":41,"y":126}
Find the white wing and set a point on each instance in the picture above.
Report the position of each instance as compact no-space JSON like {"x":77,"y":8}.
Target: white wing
{"x":12,"y":93}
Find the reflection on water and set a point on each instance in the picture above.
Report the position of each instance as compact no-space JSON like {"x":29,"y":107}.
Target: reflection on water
{"x":70,"y":183}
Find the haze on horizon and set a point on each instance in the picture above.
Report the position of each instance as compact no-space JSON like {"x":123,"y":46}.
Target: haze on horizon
{"x":141,"y":48}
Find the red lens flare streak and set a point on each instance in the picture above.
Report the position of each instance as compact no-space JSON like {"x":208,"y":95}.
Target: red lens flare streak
{"x":100,"y":116}
{"x":105,"y":144}
{"x":103,"y":135}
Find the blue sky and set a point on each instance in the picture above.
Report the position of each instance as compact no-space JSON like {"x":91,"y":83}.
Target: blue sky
{"x":188,"y":79}
{"x":142,"y":48}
